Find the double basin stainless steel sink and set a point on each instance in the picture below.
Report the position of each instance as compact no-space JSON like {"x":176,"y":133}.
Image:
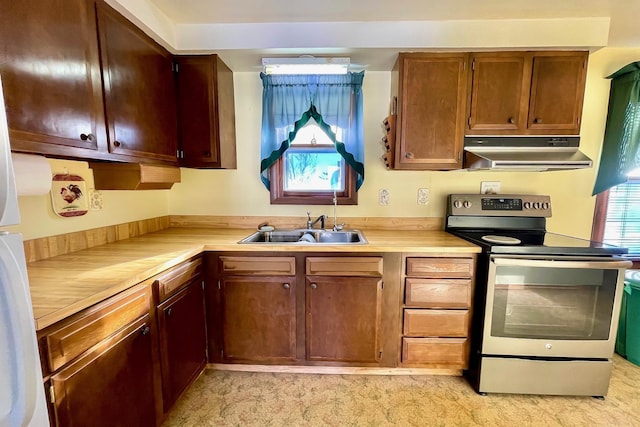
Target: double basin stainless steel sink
{"x":307,"y":236}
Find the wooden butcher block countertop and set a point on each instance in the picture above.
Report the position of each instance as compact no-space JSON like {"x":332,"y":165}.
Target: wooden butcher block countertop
{"x":65,"y":284}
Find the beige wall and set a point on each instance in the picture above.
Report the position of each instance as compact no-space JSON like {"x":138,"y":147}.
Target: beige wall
{"x":39,"y":220}
{"x":240,"y":191}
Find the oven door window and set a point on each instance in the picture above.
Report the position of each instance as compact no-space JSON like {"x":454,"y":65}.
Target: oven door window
{"x":547,"y":302}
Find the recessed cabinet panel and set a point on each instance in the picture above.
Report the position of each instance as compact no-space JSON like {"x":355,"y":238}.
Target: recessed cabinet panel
{"x":497,"y":91}
{"x":183,"y":341}
{"x":431,"y":110}
{"x":113,"y":385}
{"x":50,"y":67}
{"x":343,"y":318}
{"x":206,"y":112}
{"x":259,"y":318}
{"x":557,"y":91}
{"x":139,"y":90}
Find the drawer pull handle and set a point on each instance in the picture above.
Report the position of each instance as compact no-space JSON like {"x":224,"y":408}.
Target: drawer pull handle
{"x":169,"y":311}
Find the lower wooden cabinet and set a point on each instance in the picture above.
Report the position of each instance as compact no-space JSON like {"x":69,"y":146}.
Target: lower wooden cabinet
{"x":267,"y":317}
{"x":437,"y":311}
{"x":101,"y":363}
{"x":113,"y":385}
{"x":183,"y":341}
{"x":181,"y":327}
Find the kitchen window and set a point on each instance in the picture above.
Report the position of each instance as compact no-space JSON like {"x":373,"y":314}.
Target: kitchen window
{"x":312,"y":138}
{"x":617,"y":216}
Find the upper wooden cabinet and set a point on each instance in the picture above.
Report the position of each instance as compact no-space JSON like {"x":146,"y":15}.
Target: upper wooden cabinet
{"x":521,"y":93}
{"x":50,"y":68}
{"x":206,"y":113}
{"x":139,"y":90}
{"x":51,"y":62}
{"x":431,"y":94}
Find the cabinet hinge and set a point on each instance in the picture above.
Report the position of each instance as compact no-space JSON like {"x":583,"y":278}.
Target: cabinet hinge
{"x":52,"y":394}
{"x":219,"y":284}
{"x":203,"y":285}
{"x":382,"y":285}
{"x":473,"y":65}
{"x":380,"y":355}
{"x":469,"y":121}
{"x":174,"y":67}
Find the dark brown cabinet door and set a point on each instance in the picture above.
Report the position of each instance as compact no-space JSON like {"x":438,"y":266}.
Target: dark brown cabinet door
{"x":50,"y":67}
{"x":183,"y":341}
{"x":431,"y":95}
{"x":111,"y":386}
{"x":139,"y":91}
{"x":259,"y":318}
{"x":206,"y":112}
{"x":500,"y":83}
{"x":557,"y":92}
{"x":343,"y":318}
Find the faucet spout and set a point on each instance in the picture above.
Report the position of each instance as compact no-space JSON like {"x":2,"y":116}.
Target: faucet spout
{"x":310,"y":223}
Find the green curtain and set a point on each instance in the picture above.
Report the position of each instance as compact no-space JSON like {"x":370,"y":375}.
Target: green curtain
{"x":621,"y":146}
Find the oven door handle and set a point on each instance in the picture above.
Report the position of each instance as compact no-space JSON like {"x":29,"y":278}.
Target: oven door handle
{"x":607,"y":265}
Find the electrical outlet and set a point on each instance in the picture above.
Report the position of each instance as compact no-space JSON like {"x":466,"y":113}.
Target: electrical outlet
{"x":489,"y":187}
{"x":423,"y":196}
{"x":383,"y":197}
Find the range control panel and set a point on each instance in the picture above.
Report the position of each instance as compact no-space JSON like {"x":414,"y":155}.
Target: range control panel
{"x":499,"y":205}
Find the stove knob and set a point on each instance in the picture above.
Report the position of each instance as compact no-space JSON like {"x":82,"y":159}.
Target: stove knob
{"x":466,"y":204}
{"x":548,"y":346}
{"x":527,"y":205}
{"x":546,"y":205}
{"x":536,"y":205}
{"x":457,"y":204}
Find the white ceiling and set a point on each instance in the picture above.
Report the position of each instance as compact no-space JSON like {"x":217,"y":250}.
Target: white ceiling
{"x":240,"y":30}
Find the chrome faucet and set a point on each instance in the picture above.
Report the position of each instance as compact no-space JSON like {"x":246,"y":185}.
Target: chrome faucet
{"x":310,"y":223}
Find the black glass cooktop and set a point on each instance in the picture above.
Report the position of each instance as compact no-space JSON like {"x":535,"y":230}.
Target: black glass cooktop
{"x":536,"y":242}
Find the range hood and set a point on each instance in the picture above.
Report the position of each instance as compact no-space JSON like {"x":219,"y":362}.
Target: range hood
{"x":526,"y":153}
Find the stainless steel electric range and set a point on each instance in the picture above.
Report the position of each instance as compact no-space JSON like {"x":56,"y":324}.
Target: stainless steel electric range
{"x":546,"y":305}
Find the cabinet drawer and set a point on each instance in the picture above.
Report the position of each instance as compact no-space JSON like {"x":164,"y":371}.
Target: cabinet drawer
{"x":258,"y":266}
{"x":436,"y":323}
{"x":440,"y":267}
{"x":437,"y":293}
{"x":440,"y":351}
{"x":95,"y":324}
{"x":344,"y":266}
{"x":173,"y":280}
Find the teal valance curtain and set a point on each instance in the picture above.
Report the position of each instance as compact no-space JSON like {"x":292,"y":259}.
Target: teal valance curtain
{"x":621,"y":147}
{"x":290,"y":101}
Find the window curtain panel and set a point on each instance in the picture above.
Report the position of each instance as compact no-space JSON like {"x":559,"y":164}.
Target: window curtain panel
{"x":621,"y":146}
{"x":289,"y":101}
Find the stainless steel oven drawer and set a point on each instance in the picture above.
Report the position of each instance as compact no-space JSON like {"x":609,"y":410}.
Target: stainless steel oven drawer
{"x":556,"y":377}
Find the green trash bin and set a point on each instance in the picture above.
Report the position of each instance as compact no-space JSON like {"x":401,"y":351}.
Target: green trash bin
{"x":632,"y":322}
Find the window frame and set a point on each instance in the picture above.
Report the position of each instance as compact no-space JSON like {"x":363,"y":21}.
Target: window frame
{"x":600,"y":219}
{"x":281,"y":197}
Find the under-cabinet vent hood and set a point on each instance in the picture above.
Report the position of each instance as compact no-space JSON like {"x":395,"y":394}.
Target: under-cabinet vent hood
{"x":524,"y":153}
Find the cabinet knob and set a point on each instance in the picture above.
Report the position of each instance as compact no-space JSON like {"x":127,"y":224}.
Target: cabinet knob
{"x":169,"y":311}
{"x":145,"y":330}
{"x":87,"y":137}
{"x":116,"y":143}
{"x":537,"y":120}
{"x":512,"y":120}
{"x":286,"y":285}
{"x":409,"y":155}
{"x":314,"y":286}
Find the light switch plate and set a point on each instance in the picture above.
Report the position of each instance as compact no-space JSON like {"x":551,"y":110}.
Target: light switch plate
{"x":383,"y":197}
{"x":490,"y":187}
